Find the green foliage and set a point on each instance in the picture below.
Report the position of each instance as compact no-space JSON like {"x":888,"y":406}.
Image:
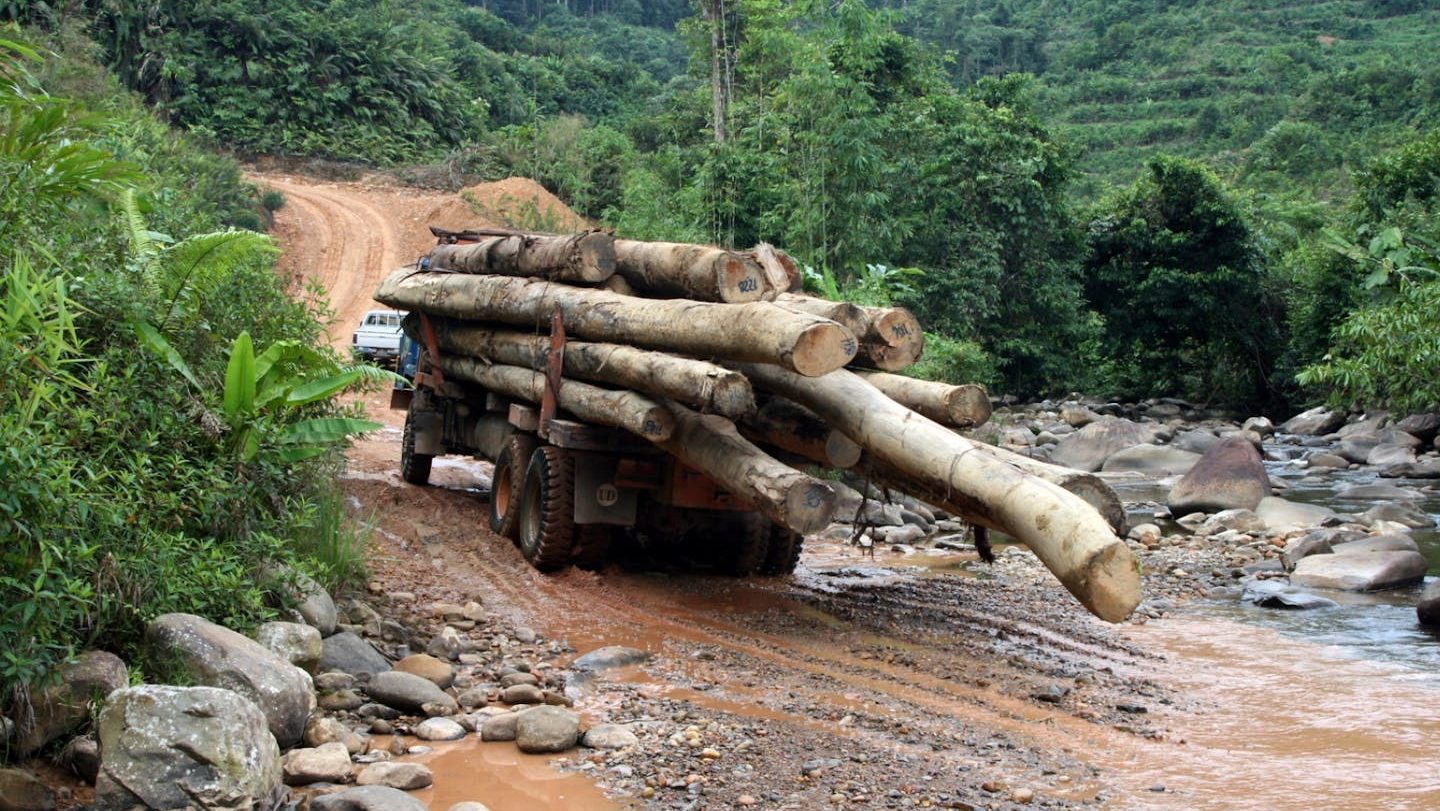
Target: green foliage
{"x":951,"y":361}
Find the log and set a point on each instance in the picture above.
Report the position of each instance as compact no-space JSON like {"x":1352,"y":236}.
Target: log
{"x":1090,"y":488}
{"x":711,"y":444}
{"x":790,"y":427}
{"x":843,"y":313}
{"x":964,"y":406}
{"x":757,"y":331}
{"x":887,"y":358}
{"x":586,"y":257}
{"x":698,"y":272}
{"x":707,"y":386}
{"x":633,"y":412}
{"x":893,"y":326}
{"x":1073,"y":541}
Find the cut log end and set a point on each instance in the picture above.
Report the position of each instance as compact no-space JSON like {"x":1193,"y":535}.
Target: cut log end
{"x":655,"y":424}
{"x":841,"y":451}
{"x":809,"y":507}
{"x":740,"y":279}
{"x":896,"y":326}
{"x":1108,"y":583}
{"x":823,"y":348}
{"x":597,"y":256}
{"x":889,"y":358}
{"x":969,"y":405}
{"x":732,"y":396}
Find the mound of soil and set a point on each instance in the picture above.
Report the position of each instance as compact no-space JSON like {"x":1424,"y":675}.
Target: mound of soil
{"x":515,"y":202}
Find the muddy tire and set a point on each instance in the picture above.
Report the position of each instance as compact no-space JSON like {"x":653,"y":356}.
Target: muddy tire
{"x":505,"y":494}
{"x":414,"y":467}
{"x":783,"y":552}
{"x":749,"y":543}
{"x":547,"y":510}
{"x":592,"y":545}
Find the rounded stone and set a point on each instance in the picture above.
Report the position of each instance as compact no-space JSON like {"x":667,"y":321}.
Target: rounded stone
{"x":546,"y":729}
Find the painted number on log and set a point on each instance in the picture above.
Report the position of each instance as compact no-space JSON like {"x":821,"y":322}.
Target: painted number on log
{"x":901,"y":330}
{"x":748,"y":285}
{"x":849,"y":346}
{"x":651,"y":427}
{"x":606,"y":495}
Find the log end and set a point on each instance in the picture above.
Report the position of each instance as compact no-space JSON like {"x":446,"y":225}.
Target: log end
{"x":739,"y":278}
{"x":897,"y":326}
{"x":842,"y":451}
{"x":732,"y":396}
{"x":968,"y":406}
{"x":597,"y":256}
{"x":809,"y":506}
{"x":822,"y":348}
{"x":1108,"y":584}
{"x":889,"y":358}
{"x":655,"y":424}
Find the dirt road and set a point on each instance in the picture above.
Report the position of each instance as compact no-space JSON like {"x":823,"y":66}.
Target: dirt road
{"x":893,"y":681}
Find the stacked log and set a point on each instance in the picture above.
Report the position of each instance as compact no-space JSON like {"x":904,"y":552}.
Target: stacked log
{"x":712,"y":356}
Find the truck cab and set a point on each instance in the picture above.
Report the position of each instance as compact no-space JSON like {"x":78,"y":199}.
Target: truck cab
{"x":377,"y":339}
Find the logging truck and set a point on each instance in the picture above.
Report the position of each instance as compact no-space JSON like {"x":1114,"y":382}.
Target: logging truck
{"x":565,"y":491}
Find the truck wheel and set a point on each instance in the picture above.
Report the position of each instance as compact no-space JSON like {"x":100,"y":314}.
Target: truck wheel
{"x":748,"y":541}
{"x":547,"y":510}
{"x":592,"y":545}
{"x":505,"y":485}
{"x":783,"y":552}
{"x":414,"y":467}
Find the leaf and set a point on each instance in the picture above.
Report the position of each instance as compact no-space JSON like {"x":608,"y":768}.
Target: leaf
{"x":326,"y":430}
{"x":240,"y":378}
{"x":151,"y":339}
{"x":322,"y":389}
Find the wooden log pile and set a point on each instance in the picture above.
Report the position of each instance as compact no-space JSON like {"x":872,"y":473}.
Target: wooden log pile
{"x":713,"y":356}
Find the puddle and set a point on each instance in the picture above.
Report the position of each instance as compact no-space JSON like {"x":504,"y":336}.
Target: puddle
{"x":503,"y":778}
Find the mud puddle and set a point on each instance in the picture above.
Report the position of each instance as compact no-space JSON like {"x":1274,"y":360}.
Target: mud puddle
{"x":505,"y":779}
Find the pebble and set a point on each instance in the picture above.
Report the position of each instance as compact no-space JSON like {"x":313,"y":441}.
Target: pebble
{"x":1022,"y":795}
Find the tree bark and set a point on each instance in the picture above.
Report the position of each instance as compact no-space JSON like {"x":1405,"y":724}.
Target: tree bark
{"x":790,"y":427}
{"x":1090,"y":488}
{"x":963,"y":406}
{"x":710,"y":444}
{"x":1073,"y":541}
{"x":843,"y":313}
{"x":588,"y":257}
{"x":699,"y":272}
{"x":758,"y":331}
{"x":711,"y":388}
{"x":633,"y":412}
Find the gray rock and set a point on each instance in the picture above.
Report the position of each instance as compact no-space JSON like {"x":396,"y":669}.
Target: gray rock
{"x":169,"y":747}
{"x":23,"y":791}
{"x":546,"y":729}
{"x":1423,"y":469}
{"x":367,"y":798}
{"x":427,"y":667}
{"x":1274,"y":594}
{"x":1076,"y":415}
{"x":522,"y":694}
{"x":340,"y":701}
{"x":518,"y":677}
{"x":1370,"y":421}
{"x":1230,"y":475}
{"x":1385,"y":455}
{"x":1316,"y":542}
{"x":1277,"y":513}
{"x":1088,"y":448}
{"x":439,"y":729}
{"x":1154,"y":460}
{"x":1427,"y":610}
{"x":373,"y":710}
{"x":1195,"y":441}
{"x":1315,"y":422}
{"x":65,"y":705}
{"x":332,"y":680}
{"x":1421,"y":426}
{"x":316,"y":607}
{"x":1236,"y":520}
{"x":1394,"y":542}
{"x":1328,"y":461}
{"x":82,"y":755}
{"x":1357,"y":446}
{"x":406,"y":691}
{"x":500,"y":727}
{"x":610,"y":736}
{"x":328,"y":763}
{"x":216,"y":656}
{"x":908,"y":534}
{"x":321,"y":730}
{"x":1260,"y":425}
{"x":348,"y":653}
{"x":402,"y":776}
{"x":1367,"y":571}
{"x":472,"y":698}
{"x":1377,"y":492}
{"x":608,"y":657}
{"x":1400,"y":514}
{"x":300,"y":645}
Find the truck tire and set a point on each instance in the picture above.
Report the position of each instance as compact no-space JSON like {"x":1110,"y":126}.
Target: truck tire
{"x":505,"y":494}
{"x":547,"y":510}
{"x":592,"y":545}
{"x":751,"y":542}
{"x":783,"y":551}
{"x":414,"y":467}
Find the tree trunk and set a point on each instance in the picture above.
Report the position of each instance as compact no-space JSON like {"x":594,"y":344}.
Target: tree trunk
{"x":960,"y":406}
{"x":893,"y":326}
{"x":758,"y":331}
{"x":699,"y":272}
{"x":1089,"y":487}
{"x":635,"y":413}
{"x":790,"y":427}
{"x":843,"y":313}
{"x":877,"y":355}
{"x":587,"y":257}
{"x":1067,"y":534}
{"x":710,"y":444}
{"x":711,"y":388}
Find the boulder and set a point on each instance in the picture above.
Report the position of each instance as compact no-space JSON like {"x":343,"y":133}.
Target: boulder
{"x":1088,"y":448}
{"x":1385,"y":455}
{"x":65,"y":705}
{"x":908,"y":534}
{"x":518,"y":677}
{"x":314,"y":603}
{"x":166,"y":747}
{"x":406,"y":691}
{"x":23,"y":791}
{"x":1423,"y":469}
{"x":499,"y":727}
{"x":1427,"y":610}
{"x":610,"y":736}
{"x":216,"y":656}
{"x":429,"y":668}
{"x":608,"y":657}
{"x":328,"y":763}
{"x":1317,"y":542}
{"x":1236,"y":520}
{"x":439,"y":729}
{"x":1377,"y":492}
{"x":1260,"y":425}
{"x":1368,"y":422}
{"x":1357,"y":447}
{"x":1399,"y":513}
{"x":522,"y":694}
{"x":348,"y":653}
{"x":1194,"y":441}
{"x":402,"y":776}
{"x":1365,"y":571}
{"x":320,"y":731}
{"x":1327,"y":460}
{"x":1421,"y":426}
{"x":1153,"y":460}
{"x":300,"y":645}
{"x":1392,"y":542}
{"x":1315,"y":422}
{"x":367,"y":798}
{"x":546,"y":729}
{"x":1277,"y":513}
{"x":1274,"y":594}
{"x":1076,"y":415}
{"x":1228,"y":476}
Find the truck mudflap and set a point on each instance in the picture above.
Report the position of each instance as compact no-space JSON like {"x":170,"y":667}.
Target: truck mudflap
{"x":598,"y":499}
{"x":429,"y":432}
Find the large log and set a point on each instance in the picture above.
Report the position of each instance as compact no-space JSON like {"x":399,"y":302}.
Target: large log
{"x":699,"y":272}
{"x":790,"y":427}
{"x":711,"y":444}
{"x":843,"y":313}
{"x":964,"y":406}
{"x":1090,"y":488}
{"x":893,"y":326}
{"x":1073,"y":541}
{"x":887,"y":358}
{"x":633,"y":412}
{"x":585,"y":257}
{"x":757,"y":331}
{"x":707,"y":386}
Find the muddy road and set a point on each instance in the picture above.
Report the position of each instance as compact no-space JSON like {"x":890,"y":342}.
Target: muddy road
{"x":887,"y":681}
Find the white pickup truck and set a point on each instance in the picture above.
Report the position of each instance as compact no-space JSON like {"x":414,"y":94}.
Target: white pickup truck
{"x":378,"y":338}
